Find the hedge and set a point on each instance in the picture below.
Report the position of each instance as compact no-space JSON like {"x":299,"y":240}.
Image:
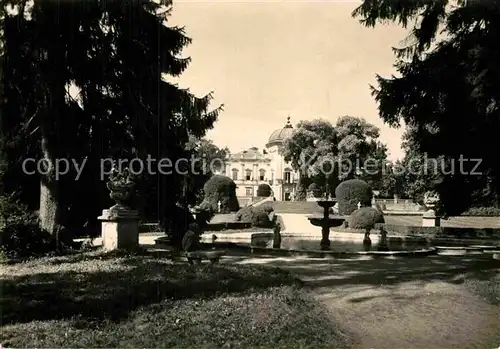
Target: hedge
{"x":220,"y":189}
{"x":365,"y":218}
{"x":258,"y":216}
{"x":452,"y":232}
{"x":351,"y":192}
{"x":315,"y":190}
{"x":264,"y":190}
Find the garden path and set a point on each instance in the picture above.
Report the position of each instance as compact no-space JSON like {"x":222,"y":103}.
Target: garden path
{"x":404,"y":303}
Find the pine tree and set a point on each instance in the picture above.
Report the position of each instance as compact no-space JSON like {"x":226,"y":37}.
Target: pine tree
{"x":447,"y":91}
{"x":115,"y":53}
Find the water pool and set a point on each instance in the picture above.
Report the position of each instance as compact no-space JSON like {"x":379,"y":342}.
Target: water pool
{"x":338,"y":245}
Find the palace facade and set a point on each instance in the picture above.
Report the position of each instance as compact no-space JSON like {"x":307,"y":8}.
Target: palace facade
{"x":253,"y":166}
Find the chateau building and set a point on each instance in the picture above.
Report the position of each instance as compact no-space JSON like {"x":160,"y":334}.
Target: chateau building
{"x":252,"y":167}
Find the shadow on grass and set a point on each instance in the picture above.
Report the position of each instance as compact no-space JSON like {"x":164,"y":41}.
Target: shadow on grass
{"x":111,"y":287}
{"x":325,"y":273}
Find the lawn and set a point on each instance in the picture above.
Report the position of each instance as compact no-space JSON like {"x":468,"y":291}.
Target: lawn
{"x":485,"y":283}
{"x":463,"y":222}
{"x":102,"y":300}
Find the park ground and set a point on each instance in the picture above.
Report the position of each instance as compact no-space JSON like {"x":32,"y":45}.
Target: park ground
{"x":103,"y":300}
{"x":297,"y":221}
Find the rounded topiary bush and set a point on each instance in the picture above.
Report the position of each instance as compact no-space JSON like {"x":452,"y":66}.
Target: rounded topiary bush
{"x":221,"y":189}
{"x":315,"y":190}
{"x":245,"y":214}
{"x":351,"y":192}
{"x":365,"y":218}
{"x":268,"y":208}
{"x":259,"y":216}
{"x":264,"y":190}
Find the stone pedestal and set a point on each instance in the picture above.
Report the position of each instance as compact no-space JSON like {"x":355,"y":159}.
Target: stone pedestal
{"x":430,"y":219}
{"x":120,"y":228}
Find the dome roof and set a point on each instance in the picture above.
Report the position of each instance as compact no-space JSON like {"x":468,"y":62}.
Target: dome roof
{"x":278,"y":136}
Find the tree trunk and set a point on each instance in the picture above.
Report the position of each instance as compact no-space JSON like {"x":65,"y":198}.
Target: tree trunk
{"x":49,"y":193}
{"x":51,"y":96}
{"x":301,"y":193}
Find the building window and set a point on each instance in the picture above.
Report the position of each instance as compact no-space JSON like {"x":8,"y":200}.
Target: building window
{"x":288,"y":177}
{"x":248,"y":176}
{"x":249,"y":191}
{"x":262,"y":175}
{"x":235,"y":174}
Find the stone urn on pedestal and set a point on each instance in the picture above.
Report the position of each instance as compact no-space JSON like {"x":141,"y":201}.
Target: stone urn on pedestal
{"x":120,"y":223}
{"x":430,"y":218}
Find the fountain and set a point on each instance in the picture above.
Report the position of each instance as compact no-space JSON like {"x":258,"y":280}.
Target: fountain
{"x":326,"y":222}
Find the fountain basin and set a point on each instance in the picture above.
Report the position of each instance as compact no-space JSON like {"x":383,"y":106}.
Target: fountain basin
{"x":458,"y":250}
{"x":330,"y":222}
{"x":326,"y":203}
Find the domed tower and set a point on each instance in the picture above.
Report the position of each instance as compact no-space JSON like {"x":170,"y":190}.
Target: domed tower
{"x":277,"y":137}
{"x":283,"y":176}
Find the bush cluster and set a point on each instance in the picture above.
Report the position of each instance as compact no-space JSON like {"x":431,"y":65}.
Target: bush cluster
{"x":492,"y":234}
{"x":482,"y":211}
{"x":300,"y":192}
{"x":259,"y":216}
{"x":185,"y":218}
{"x":221,"y":189}
{"x":381,"y":206}
{"x":365,"y":218}
{"x":315,"y":190}
{"x":20,"y":234}
{"x":351,"y":192}
{"x":264,"y":190}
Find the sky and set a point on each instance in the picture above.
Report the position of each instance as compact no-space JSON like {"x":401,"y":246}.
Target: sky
{"x":267,"y":60}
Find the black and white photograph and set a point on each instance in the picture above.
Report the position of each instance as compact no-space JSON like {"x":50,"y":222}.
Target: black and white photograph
{"x":233,"y":174}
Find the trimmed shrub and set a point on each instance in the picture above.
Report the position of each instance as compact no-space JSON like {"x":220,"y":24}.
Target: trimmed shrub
{"x":300,"y":192}
{"x":365,"y":218}
{"x":261,"y":218}
{"x":245,"y":214}
{"x":180,"y":225}
{"x":264,"y":190}
{"x":258,"y":216}
{"x":349,"y":193}
{"x":381,"y":206}
{"x":492,"y":234}
{"x":268,"y":208}
{"x":223,"y":189}
{"x":315,"y":190}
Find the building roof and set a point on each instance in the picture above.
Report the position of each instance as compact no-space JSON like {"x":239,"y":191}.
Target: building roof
{"x":279,"y":136}
{"x":250,"y":154}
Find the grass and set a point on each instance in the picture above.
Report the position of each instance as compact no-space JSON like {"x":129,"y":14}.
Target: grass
{"x":486,"y":286}
{"x":131,"y":301}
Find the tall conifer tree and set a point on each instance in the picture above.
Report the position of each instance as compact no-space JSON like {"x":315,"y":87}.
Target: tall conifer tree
{"x":115,"y":54}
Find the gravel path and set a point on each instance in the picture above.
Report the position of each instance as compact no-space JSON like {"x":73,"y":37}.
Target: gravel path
{"x":415,"y":315}
{"x":402,"y":303}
